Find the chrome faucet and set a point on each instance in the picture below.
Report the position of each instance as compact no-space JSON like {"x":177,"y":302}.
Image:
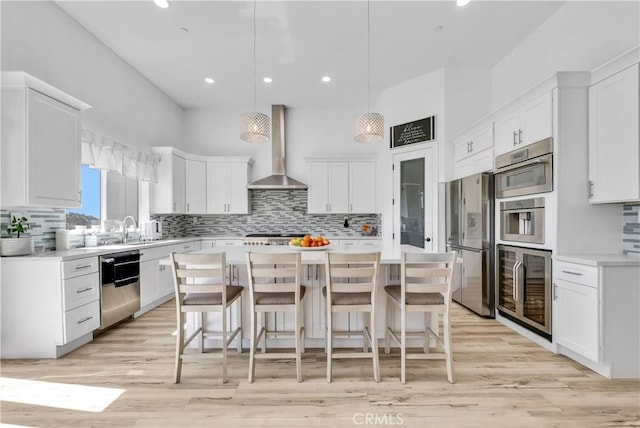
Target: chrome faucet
{"x":125,"y":234}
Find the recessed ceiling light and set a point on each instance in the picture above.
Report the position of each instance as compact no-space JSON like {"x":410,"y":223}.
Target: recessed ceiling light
{"x":161,"y":3}
{"x":267,"y":80}
{"x":438,"y":28}
{"x":209,"y":80}
{"x":462,"y":2}
{"x":326,"y":79}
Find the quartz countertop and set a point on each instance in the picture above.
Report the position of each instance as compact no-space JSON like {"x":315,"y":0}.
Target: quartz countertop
{"x":78,"y":253}
{"x":599,"y":259}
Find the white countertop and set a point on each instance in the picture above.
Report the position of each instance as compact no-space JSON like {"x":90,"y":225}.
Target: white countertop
{"x":389,"y":254}
{"x":599,"y":259}
{"x":78,"y":253}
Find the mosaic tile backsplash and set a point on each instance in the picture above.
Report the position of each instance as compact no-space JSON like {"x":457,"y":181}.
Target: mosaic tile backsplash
{"x":272,"y":211}
{"x":631,"y":229}
{"x":43,"y":223}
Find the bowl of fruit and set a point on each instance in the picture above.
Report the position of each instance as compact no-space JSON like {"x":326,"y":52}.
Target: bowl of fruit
{"x":308,"y":243}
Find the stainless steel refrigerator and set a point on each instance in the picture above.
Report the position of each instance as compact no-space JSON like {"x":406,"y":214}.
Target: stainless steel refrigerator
{"x":470,"y":232}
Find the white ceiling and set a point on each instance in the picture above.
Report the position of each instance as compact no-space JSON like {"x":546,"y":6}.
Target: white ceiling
{"x":297,"y":42}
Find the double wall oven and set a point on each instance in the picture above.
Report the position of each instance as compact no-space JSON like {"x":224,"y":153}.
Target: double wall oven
{"x":523,"y":274}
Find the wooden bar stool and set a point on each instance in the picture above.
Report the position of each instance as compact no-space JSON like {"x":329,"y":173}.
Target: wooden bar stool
{"x":352,"y":280}
{"x":425,"y":286}
{"x":274,"y":286}
{"x":199,"y":281}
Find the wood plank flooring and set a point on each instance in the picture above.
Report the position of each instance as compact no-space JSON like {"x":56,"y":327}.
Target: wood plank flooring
{"x":502,"y":380}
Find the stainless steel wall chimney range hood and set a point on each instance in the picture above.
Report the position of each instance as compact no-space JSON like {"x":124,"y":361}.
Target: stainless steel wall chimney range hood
{"x":278,"y":180}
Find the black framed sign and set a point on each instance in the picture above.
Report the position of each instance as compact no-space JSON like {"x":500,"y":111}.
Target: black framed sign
{"x":417,"y":131}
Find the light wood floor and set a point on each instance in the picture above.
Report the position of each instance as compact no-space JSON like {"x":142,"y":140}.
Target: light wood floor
{"x":503,"y":380}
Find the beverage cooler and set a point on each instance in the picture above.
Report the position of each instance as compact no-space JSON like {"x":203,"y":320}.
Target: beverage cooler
{"x":524,"y":287}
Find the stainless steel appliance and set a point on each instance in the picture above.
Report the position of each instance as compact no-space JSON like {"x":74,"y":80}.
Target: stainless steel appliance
{"x":522,"y":221}
{"x":524,"y":287}
{"x":525,"y":171}
{"x":270,"y":238}
{"x":470,"y":232}
{"x":120,"y":287}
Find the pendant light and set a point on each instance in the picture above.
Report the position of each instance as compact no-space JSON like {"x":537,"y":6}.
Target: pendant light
{"x":369,"y":126}
{"x":254,"y":127}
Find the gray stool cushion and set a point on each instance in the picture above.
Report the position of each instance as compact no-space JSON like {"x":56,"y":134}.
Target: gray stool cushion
{"x":348,"y":298}
{"x":212,"y":298}
{"x":278,"y":298}
{"x":415,"y":298}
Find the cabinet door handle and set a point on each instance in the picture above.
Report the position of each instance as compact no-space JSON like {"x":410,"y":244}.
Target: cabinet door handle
{"x":571,"y":273}
{"x":515,"y":290}
{"x":85,"y":266}
{"x":174,"y":206}
{"x":515,"y":135}
{"x":555,"y":295}
{"x":84,"y":290}
{"x":470,"y":146}
{"x":590,"y":189}
{"x":187,"y":206}
{"x":350,"y":208}
{"x":519,"y":135}
{"x":83,"y":320}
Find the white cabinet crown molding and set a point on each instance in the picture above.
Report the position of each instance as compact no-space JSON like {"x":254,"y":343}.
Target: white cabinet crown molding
{"x":202,"y":158}
{"x":615,"y":65}
{"x":20,"y":79}
{"x":341,"y":159}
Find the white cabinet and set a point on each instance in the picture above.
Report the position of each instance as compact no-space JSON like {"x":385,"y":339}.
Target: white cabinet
{"x":40,"y":144}
{"x":525,"y":124}
{"x":341,"y":187}
{"x":227,"y":191}
{"x":196,"y":187}
{"x":362,"y":187}
{"x":596,"y":318}
{"x":473,"y":151}
{"x":614,"y":138}
{"x":49,"y":307}
{"x":167,"y":196}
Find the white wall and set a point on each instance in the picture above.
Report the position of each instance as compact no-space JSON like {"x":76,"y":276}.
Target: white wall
{"x":579,"y":36}
{"x":42,"y":40}
{"x":309,"y":132}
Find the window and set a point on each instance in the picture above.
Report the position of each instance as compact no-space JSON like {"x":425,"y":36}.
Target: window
{"x":89,"y":212}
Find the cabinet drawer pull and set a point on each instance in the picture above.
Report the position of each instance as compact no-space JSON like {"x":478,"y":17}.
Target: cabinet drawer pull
{"x":83,"y":320}
{"x":571,"y":273}
{"x":515,"y":142}
{"x":82,"y":267}
{"x":84,"y":290}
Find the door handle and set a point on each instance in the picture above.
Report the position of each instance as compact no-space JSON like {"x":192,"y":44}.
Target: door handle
{"x":555,"y":295}
{"x":427,"y":239}
{"x":514,"y":270}
{"x":515,"y":142}
{"x":519,"y":135}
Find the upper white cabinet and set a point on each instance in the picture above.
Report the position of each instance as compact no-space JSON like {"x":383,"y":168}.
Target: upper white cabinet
{"x":227,"y":181}
{"x":614,"y":138}
{"x":473,"y":151}
{"x":525,"y":124}
{"x":40,"y":144}
{"x":196,"y":187}
{"x":167,"y":196}
{"x":341,"y":187}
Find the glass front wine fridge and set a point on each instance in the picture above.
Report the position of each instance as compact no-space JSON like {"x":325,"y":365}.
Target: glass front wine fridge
{"x":524,"y":287}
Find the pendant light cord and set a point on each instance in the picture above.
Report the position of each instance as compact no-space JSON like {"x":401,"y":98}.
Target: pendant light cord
{"x":254,"y":55}
{"x":368,"y":59}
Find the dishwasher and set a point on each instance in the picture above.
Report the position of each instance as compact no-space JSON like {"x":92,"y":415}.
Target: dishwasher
{"x":119,"y":287}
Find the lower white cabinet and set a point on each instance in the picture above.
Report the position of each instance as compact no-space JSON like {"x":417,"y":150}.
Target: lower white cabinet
{"x":63,"y":306}
{"x":596,"y":316}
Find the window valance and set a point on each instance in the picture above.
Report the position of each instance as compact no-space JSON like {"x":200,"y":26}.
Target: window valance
{"x":103,"y":153}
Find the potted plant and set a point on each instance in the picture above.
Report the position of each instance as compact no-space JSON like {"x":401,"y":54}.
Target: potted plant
{"x":18,"y":246}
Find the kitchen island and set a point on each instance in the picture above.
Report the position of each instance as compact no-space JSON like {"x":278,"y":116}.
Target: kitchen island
{"x":314,"y":279}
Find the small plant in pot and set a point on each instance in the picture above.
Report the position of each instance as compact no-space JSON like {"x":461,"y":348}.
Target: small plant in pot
{"x":18,"y":246}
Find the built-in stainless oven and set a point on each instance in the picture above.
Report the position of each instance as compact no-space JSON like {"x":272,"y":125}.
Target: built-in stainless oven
{"x":522,"y":220}
{"x":525,"y":171}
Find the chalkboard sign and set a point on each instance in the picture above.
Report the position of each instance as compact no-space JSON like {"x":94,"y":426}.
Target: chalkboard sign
{"x":413,"y":132}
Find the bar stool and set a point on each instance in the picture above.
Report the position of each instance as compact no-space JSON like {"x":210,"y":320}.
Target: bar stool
{"x":199,"y":282}
{"x":425,"y":286}
{"x":352,"y":280}
{"x":274,"y":286}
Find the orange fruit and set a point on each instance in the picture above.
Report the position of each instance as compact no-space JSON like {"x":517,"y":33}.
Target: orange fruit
{"x":307,"y":238}
{"x":304,"y":243}
{"x":319,"y":238}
